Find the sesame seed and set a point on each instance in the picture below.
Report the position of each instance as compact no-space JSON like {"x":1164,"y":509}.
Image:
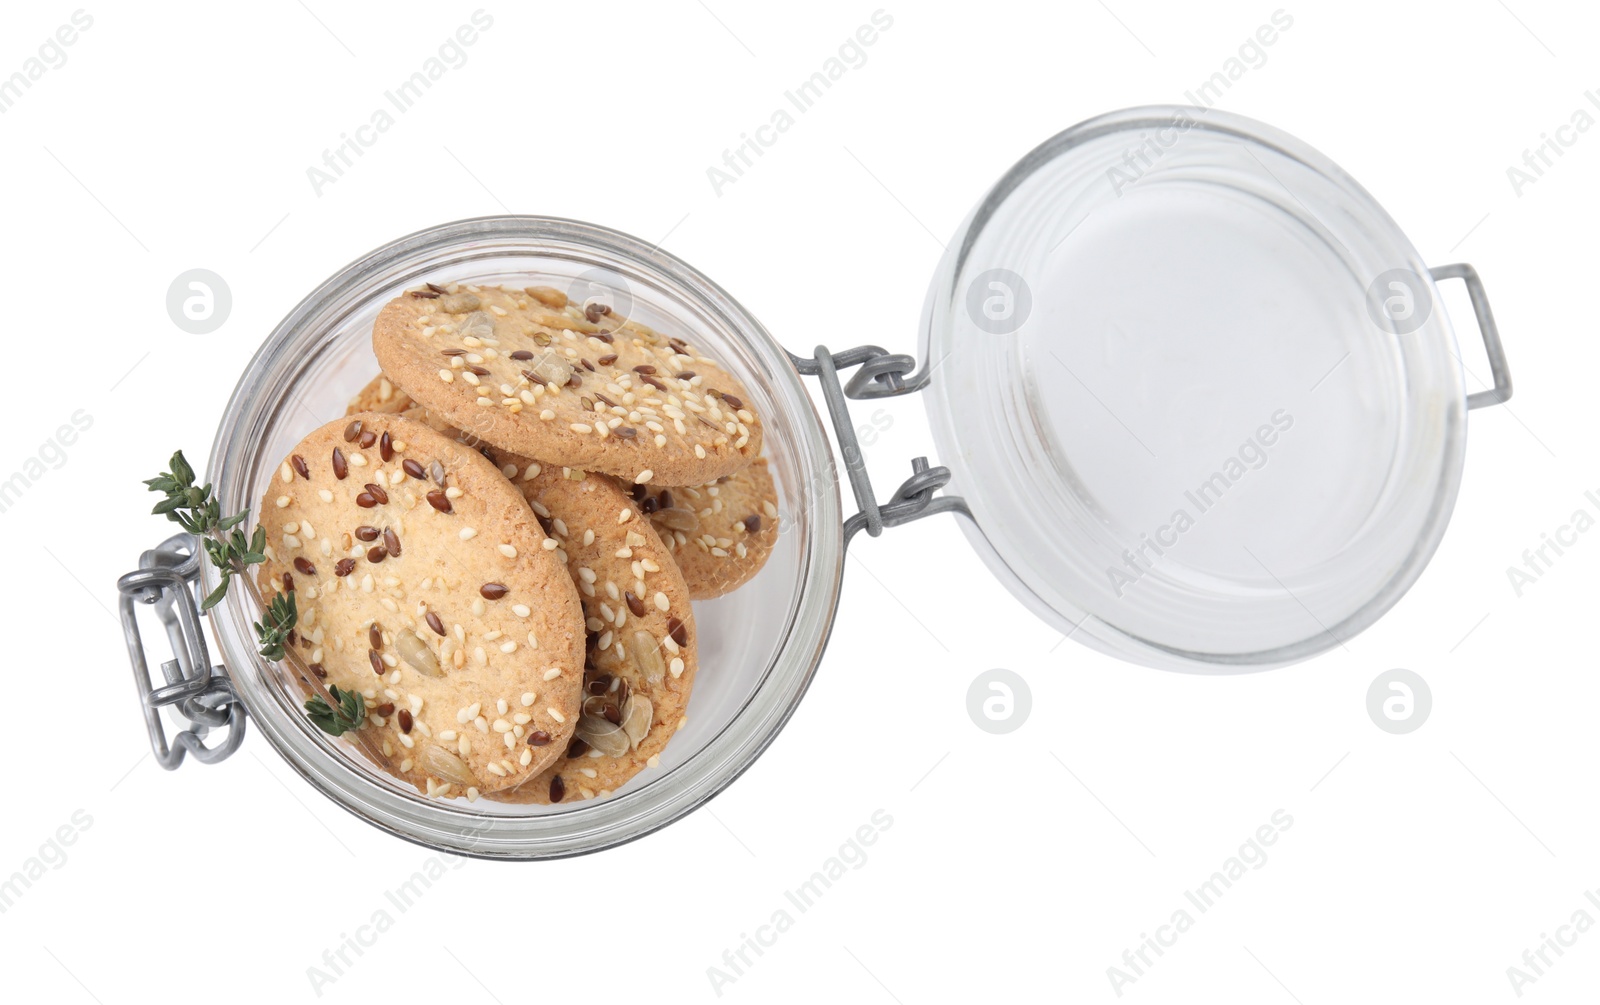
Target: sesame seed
{"x":643,"y":476}
{"x":283,"y":502}
{"x":508,"y":551}
{"x":555,"y":714}
{"x":446,"y":376}
{"x":676,"y":666}
{"x":325,"y":495}
{"x":502,"y":726}
{"x":552,"y":673}
{"x":520,"y":610}
{"x":580,"y":427}
{"x":550,"y":544}
{"x":467,"y":533}
{"x":528,"y":698}
{"x":662,"y":604}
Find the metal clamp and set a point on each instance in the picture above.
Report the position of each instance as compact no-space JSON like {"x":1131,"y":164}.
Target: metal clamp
{"x":168,"y":578}
{"x":1498,"y":367}
{"x":882,"y":375}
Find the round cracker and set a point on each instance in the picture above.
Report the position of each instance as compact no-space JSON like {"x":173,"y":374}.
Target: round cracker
{"x":595,"y":391}
{"x":642,"y":636}
{"x":511,"y":663}
{"x":380,"y":395}
{"x":720,"y":533}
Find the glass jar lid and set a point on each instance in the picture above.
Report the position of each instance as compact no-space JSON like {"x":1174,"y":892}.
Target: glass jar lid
{"x":1196,"y":390}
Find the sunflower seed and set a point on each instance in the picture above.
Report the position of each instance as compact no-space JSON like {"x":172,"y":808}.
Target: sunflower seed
{"x":417,"y":654}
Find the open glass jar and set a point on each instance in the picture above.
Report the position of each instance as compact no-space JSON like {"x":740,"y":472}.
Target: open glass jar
{"x":1159,"y":311}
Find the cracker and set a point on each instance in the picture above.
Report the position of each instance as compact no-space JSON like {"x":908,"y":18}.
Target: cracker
{"x":380,"y":395}
{"x":580,"y":389}
{"x":719,"y":533}
{"x":641,"y":632}
{"x":424,"y":582}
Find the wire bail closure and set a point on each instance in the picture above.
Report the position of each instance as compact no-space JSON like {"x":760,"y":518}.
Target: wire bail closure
{"x":882,"y":374}
{"x":168,"y":578}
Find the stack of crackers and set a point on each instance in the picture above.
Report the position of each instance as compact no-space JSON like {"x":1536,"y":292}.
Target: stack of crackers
{"x":499,"y":545}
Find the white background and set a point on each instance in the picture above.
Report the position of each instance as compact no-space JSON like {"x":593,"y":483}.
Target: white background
{"x":1018,"y":867}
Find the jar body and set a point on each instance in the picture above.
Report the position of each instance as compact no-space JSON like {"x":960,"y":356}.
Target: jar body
{"x":758,"y":646}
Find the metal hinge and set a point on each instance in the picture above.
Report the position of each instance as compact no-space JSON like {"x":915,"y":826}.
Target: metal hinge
{"x":168,"y":577}
{"x":881,"y":375}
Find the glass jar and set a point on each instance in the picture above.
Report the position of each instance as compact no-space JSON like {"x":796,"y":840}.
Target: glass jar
{"x":1136,"y":286}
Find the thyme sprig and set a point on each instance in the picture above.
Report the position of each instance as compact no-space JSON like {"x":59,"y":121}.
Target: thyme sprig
{"x":350,"y":712}
{"x":276,"y":624}
{"x":196,"y":510}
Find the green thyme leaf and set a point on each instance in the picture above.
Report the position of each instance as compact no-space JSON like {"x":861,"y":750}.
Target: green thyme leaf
{"x":215,"y":597}
{"x":275,"y":625}
{"x":350,"y":713}
{"x":196,"y":510}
